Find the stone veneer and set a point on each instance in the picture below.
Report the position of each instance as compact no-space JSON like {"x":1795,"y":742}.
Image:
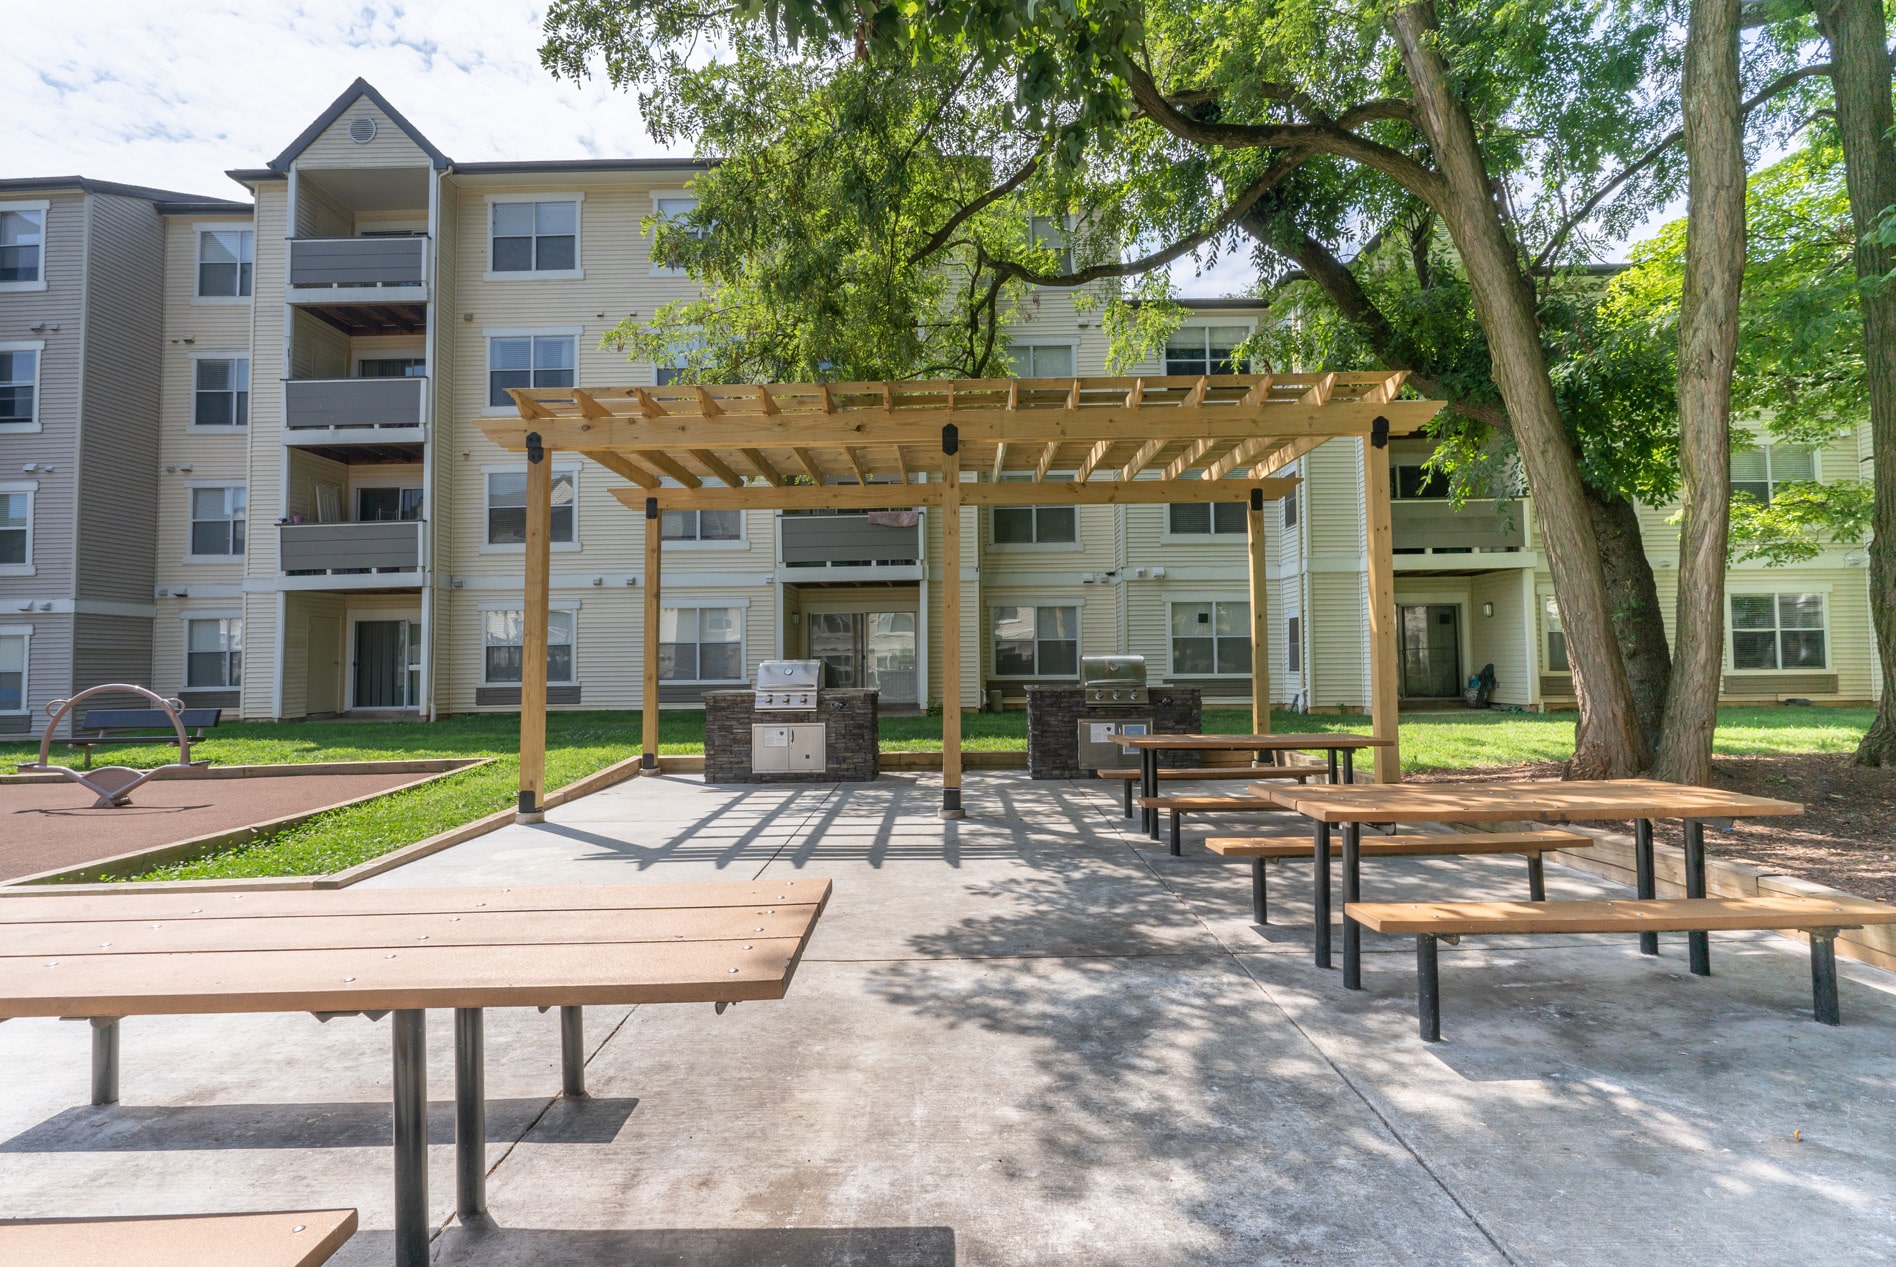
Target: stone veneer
{"x":850,"y":745}
{"x":1054,"y":714}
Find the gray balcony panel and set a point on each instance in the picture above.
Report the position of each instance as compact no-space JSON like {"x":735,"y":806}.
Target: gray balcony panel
{"x":338,"y":547}
{"x":846,"y":538}
{"x":1438,"y":525}
{"x":357,"y":261}
{"x":352,"y":402}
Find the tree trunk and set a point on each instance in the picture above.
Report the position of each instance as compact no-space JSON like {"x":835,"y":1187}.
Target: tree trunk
{"x":1859,"y":40}
{"x":1608,"y":741}
{"x":1708,"y":354}
{"x":1638,"y":621}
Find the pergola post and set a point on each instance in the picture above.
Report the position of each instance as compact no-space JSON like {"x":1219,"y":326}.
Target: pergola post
{"x":539,"y":562}
{"x":1260,"y":616}
{"x":1378,"y":540}
{"x":648,"y":691}
{"x":950,"y":623}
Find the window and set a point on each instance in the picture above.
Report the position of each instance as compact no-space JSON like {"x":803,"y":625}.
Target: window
{"x":507,"y":507}
{"x":1556,"y":640}
{"x":1415,"y":480}
{"x":392,"y":367}
{"x":225,"y":261}
{"x":19,"y":386}
{"x":1036,"y":641}
{"x":217,"y":521}
{"x":223,"y":393}
{"x":1041,"y":360}
{"x":700,"y":644}
{"x":16,"y":530}
{"x":504,"y":632}
{"x":673,"y":209}
{"x":1293,"y":645}
{"x":1054,"y":233}
{"x":535,"y":237}
{"x":1205,"y":519}
{"x":1778,"y":631}
{"x":22,"y":243}
{"x":701,"y":525}
{"x":385,"y":505}
{"x":1290,"y":506}
{"x":1759,"y":471}
{"x":1204,"y":350}
{"x":13,"y":670}
{"x":540,"y":360}
{"x":1210,"y":639}
{"x":1035,"y":525}
{"x":214,"y":653}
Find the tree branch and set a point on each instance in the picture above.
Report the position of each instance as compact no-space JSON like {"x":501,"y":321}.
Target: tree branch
{"x":959,"y":218}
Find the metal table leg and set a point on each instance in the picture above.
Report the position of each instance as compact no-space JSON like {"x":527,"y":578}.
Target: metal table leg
{"x":1257,"y":891}
{"x":1349,"y":765}
{"x":411,"y":1137}
{"x":105,"y":1059}
{"x":1699,"y":944}
{"x":470,"y":1115}
{"x":1330,"y":765}
{"x":1149,"y":786}
{"x":1352,"y":892}
{"x":1428,"y":990}
{"x":1320,"y":895}
{"x":1823,"y":976}
{"x":1642,"y":865}
{"x":573,"y":1051}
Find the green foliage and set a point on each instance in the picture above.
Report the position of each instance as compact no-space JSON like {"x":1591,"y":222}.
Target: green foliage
{"x":1802,"y":518}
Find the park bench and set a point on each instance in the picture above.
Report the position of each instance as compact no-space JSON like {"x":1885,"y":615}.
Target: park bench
{"x":1532,"y":844}
{"x":1432,"y":922}
{"x":102,"y":727}
{"x":1179,"y":806}
{"x":279,"y":1238}
{"x":1130,"y":777}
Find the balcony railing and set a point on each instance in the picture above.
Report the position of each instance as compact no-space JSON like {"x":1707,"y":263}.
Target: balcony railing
{"x":849,"y":539}
{"x":350,"y":547}
{"x":329,"y":403}
{"x":1440,"y":525}
{"x":343,"y":265}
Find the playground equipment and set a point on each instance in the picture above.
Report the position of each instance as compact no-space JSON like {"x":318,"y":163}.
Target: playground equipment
{"x":113,"y":784}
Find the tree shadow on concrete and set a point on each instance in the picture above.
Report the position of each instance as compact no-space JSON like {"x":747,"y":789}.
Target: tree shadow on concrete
{"x":699,"y":1247}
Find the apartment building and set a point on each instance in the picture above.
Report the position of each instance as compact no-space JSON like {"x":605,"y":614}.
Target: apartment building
{"x":297,"y":518}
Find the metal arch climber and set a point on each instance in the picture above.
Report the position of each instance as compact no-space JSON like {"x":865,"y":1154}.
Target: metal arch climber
{"x":113,"y":784}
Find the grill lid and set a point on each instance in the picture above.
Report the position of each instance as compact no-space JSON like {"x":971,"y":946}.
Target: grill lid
{"x":789,"y":675}
{"x":1112,"y":670}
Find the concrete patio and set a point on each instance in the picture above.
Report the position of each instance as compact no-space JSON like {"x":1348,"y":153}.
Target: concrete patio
{"x":1032,"y":1036}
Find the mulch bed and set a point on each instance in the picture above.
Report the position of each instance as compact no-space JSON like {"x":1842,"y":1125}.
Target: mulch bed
{"x":1846,"y":837}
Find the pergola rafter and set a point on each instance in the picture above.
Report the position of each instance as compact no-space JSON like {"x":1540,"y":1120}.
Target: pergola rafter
{"x":986,"y":442}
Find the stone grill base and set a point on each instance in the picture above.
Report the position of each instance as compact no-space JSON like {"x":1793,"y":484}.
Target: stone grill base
{"x":1054,"y":714}
{"x":850,"y":744}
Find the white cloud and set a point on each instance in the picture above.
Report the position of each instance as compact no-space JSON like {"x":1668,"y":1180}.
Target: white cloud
{"x":174,"y":95}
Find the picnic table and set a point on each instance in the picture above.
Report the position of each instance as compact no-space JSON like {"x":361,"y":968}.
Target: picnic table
{"x":400,"y":951}
{"x":1581,"y":800}
{"x":1340,"y":745}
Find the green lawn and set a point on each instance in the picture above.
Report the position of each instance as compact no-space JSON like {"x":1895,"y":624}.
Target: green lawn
{"x":582,"y":742}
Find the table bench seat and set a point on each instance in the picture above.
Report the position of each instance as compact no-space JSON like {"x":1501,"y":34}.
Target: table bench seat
{"x":1430,"y":922}
{"x":1532,"y":844}
{"x":279,"y":1238}
{"x":1179,"y":806}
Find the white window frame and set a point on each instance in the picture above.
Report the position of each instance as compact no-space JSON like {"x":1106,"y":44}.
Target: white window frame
{"x":184,"y":666}
{"x":1077,"y":606}
{"x":1213,"y":600}
{"x":571,"y":609}
{"x":1069,"y":224}
{"x":1551,"y":627}
{"x":192,"y":427}
{"x":576,"y":273}
{"x":38,"y":348}
{"x":1778,"y":629}
{"x":1765,"y":449}
{"x":1015,"y":346}
{"x":197,"y":261}
{"x":1204,"y":326}
{"x":1167,"y":536}
{"x":513,"y":468}
{"x":742,"y":608}
{"x":31,"y":489}
{"x":1035,"y":546}
{"x":740,"y":542}
{"x":25,"y":634}
{"x":45,"y":208}
{"x":518,"y":332}
{"x":657,"y":269}
{"x":1293,"y":644}
{"x":194,"y":486}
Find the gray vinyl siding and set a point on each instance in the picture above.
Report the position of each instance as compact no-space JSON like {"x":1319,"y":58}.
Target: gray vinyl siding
{"x":118,"y":438}
{"x":111,"y":649}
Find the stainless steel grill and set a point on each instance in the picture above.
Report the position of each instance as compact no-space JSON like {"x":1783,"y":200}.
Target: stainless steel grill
{"x":787,"y":686}
{"x":1114,"y":679}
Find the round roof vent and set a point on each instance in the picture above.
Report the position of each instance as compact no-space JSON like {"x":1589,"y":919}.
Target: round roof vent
{"x":362,"y":129}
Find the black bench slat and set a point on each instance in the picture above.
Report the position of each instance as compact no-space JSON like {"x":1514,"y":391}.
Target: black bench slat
{"x":145,"y":718}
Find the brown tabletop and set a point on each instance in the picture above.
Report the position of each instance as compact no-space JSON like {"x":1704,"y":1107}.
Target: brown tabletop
{"x":1577,"y":801}
{"x":1251,"y":743}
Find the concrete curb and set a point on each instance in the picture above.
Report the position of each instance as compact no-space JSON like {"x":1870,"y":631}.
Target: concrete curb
{"x":904,"y":762}
{"x":407,"y":765}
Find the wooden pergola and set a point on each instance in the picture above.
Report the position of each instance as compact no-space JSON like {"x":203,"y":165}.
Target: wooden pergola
{"x":947,"y":444}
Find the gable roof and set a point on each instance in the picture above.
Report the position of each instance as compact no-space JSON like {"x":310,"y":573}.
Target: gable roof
{"x":360,"y":88}
{"x":166,"y":200}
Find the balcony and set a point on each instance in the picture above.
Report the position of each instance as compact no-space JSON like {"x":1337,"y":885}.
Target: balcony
{"x":378,"y":555}
{"x":1443,"y":528}
{"x":815,"y":544}
{"x":362,"y":286}
{"x":327,"y":411}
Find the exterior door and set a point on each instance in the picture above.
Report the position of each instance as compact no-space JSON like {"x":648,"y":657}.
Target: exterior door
{"x":1431,"y":651}
{"x":387,"y":663}
{"x":325,"y":665}
{"x":833,"y":640}
{"x":889,"y":655}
